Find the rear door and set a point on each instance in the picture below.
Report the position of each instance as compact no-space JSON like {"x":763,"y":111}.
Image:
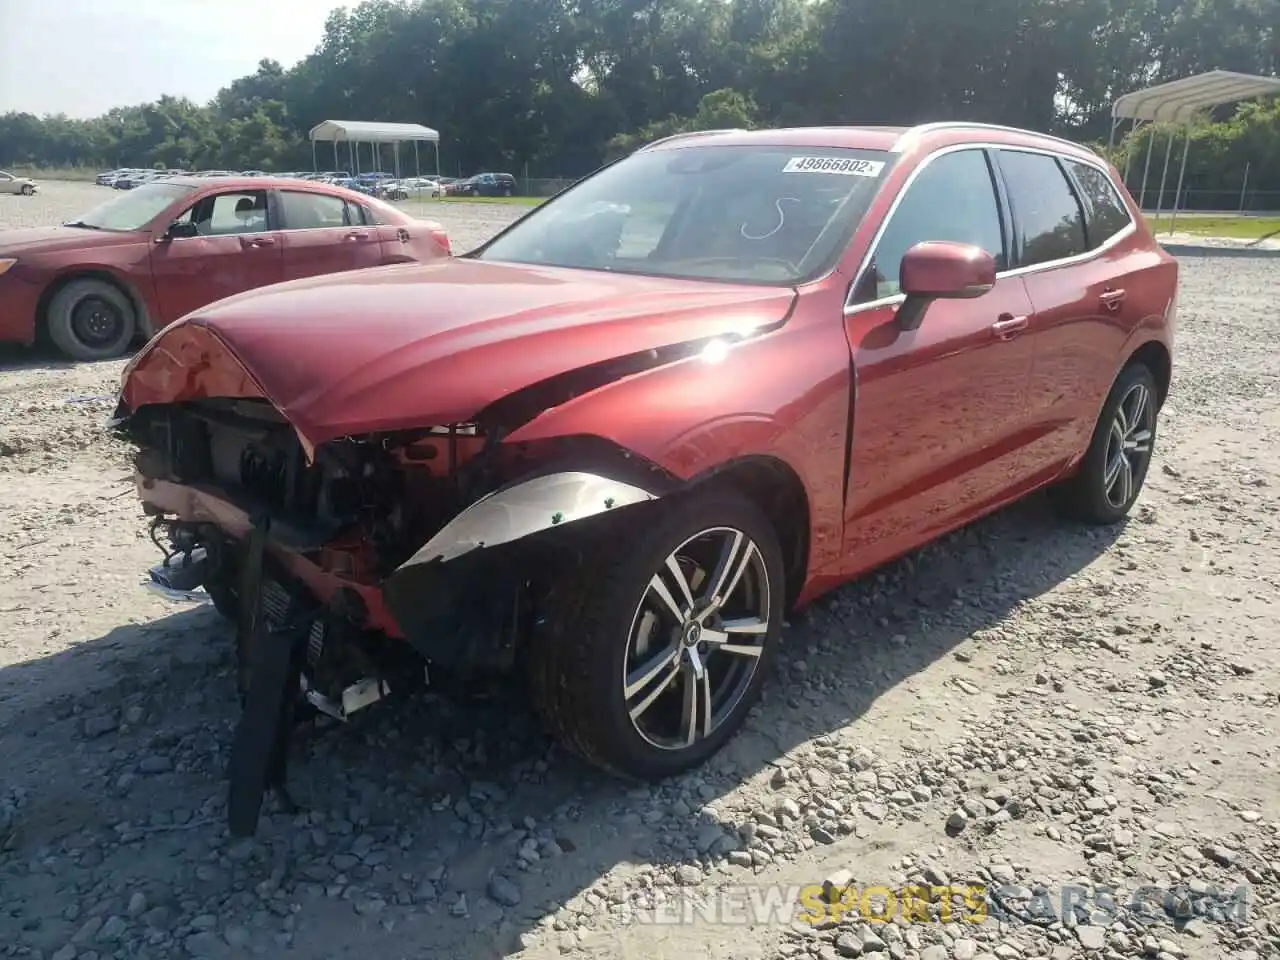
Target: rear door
{"x":324,"y":233}
{"x":236,"y":248}
{"x":1072,"y":252}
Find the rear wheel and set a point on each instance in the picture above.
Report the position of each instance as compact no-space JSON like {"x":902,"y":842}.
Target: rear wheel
{"x":90,"y":319}
{"x":1109,"y":479}
{"x":653,"y":657}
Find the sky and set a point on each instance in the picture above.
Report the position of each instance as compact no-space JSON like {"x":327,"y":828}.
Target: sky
{"x":83,"y":57}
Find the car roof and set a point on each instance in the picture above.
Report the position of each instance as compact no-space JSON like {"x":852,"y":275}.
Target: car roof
{"x":897,"y":139}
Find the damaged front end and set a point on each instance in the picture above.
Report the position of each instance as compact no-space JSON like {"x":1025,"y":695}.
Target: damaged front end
{"x":350,"y":568}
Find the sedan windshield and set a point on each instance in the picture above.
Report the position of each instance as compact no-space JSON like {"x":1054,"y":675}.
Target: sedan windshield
{"x":133,"y":210}
{"x":771,"y":215}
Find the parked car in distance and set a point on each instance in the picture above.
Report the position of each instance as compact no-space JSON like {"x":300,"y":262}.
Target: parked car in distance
{"x":142,"y":260}
{"x":412,"y":187}
{"x":484,"y":185}
{"x":12,"y":183}
{"x":618,"y":442}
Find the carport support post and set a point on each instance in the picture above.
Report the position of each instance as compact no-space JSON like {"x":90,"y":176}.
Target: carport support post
{"x":436,"y":144}
{"x":1146,"y":169}
{"x":417,"y":167}
{"x":1186,"y":146}
{"x":315,"y":167}
{"x":1164,"y":176}
{"x":335,"y":155}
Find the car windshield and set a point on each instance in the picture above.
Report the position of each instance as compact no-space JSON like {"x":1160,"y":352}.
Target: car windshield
{"x":770,"y":215}
{"x":133,"y":210}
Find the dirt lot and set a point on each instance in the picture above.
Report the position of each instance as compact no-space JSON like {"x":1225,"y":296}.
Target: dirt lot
{"x":1051,"y":712}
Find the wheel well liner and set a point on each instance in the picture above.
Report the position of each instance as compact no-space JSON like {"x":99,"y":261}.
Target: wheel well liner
{"x":91,"y":273}
{"x":1155,"y":356}
{"x":778,"y":490}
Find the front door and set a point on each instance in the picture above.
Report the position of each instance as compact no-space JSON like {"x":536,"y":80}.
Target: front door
{"x":326,"y":234}
{"x":236,"y":248}
{"x":938,"y":411}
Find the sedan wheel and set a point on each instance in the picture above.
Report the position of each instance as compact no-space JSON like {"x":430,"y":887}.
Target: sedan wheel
{"x":649,"y":669}
{"x":28,"y":190}
{"x":90,"y":319}
{"x":1110,"y":477}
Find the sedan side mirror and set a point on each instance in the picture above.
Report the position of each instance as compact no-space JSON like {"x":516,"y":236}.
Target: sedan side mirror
{"x":181,"y":229}
{"x":941,"y":270}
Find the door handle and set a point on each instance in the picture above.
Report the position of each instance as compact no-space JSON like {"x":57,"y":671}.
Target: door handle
{"x":356,"y":235}
{"x":1008,"y":326}
{"x":1111,"y":299}
{"x":257,"y":242}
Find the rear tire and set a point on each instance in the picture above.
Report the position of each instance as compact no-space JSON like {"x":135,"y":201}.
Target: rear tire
{"x":90,"y":319}
{"x":623,"y":704}
{"x":1110,"y":477}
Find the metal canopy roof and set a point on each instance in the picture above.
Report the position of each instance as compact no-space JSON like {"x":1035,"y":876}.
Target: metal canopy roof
{"x":1180,"y":100}
{"x":361,"y":131}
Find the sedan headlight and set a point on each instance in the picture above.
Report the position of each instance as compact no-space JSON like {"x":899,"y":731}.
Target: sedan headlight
{"x":6,"y":264}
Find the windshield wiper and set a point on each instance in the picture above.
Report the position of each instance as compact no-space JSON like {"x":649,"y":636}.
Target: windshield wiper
{"x":81,"y":223}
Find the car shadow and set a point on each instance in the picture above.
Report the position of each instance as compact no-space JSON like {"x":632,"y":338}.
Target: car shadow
{"x":444,"y":789}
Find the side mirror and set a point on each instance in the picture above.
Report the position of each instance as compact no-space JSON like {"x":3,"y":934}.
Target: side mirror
{"x":941,"y":270}
{"x":180,"y":230}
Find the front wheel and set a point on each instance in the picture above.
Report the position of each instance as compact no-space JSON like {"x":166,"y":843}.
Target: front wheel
{"x":28,"y":190}
{"x":1110,"y":477}
{"x":90,"y":319}
{"x":653,"y":657}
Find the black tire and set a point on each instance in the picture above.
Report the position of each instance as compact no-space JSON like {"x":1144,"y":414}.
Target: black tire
{"x":1087,"y":495}
{"x":28,"y":190}
{"x":578,"y":661}
{"x":90,"y":319}
{"x":507,"y":191}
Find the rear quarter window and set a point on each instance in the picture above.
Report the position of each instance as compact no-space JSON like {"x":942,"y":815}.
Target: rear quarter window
{"x":1106,"y":214}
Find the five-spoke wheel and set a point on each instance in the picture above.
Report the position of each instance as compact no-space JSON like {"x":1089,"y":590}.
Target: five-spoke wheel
{"x":652,"y":658}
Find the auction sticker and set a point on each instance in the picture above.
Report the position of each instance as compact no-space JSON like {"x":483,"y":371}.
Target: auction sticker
{"x":845,"y":166}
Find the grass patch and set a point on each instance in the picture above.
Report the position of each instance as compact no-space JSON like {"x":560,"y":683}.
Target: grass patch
{"x":505,"y":201}
{"x":1238,"y":228}
{"x":80,"y":174}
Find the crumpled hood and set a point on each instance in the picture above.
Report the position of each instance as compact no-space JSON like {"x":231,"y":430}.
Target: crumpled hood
{"x":428,"y":344}
{"x":37,"y":240}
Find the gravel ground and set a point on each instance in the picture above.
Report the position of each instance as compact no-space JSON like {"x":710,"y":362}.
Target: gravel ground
{"x":1024,"y":705}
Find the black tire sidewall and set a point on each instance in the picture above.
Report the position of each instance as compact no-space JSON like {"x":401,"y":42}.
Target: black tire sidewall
{"x":1087,"y":489}
{"x":58,"y":320}
{"x":609,"y":617}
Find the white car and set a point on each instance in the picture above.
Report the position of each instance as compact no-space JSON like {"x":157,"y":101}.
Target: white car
{"x":11,"y":183}
{"x":416,"y":187}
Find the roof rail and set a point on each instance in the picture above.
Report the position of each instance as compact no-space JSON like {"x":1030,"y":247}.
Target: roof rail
{"x":690,"y":135}
{"x":973,"y":125}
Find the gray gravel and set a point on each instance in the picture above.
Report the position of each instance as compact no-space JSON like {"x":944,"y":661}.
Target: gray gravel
{"x":1025,"y":706}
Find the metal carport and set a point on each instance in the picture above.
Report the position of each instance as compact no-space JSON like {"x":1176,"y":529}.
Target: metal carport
{"x":1179,"y":101}
{"x":355,"y":132}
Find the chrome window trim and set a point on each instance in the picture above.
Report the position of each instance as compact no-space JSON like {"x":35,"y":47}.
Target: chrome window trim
{"x":851,"y":309}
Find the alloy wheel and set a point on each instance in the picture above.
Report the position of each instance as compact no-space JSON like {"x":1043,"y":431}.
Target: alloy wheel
{"x":1129,"y":446}
{"x":697,"y":638}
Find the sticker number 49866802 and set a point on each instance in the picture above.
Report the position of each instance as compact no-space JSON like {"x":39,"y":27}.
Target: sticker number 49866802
{"x":845,"y":166}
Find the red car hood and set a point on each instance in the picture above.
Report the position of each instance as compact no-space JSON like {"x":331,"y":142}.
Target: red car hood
{"x":428,"y":345}
{"x":15,"y":243}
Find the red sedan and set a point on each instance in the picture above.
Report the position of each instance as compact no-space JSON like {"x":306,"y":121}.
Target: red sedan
{"x":140,"y":261}
{"x":612,"y":447}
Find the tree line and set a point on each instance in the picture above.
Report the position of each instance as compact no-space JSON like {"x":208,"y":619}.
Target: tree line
{"x":554,"y":87}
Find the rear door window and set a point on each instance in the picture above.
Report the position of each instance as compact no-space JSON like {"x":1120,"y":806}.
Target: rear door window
{"x":316,"y":211}
{"x":1106,"y":214}
{"x":1046,"y":213}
